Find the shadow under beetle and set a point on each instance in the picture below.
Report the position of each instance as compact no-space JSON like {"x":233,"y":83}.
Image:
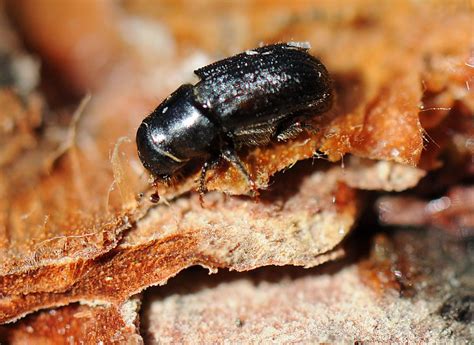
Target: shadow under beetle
{"x":245,"y":100}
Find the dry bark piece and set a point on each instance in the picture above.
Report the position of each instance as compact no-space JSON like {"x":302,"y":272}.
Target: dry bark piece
{"x":299,"y":222}
{"x":335,"y":303}
{"x":380,"y":175}
{"x":453,"y":212}
{"x":51,"y":225}
{"x":18,"y":123}
{"x":78,"y":324}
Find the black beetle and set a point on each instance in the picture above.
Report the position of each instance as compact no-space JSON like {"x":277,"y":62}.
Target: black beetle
{"x":244,"y":100}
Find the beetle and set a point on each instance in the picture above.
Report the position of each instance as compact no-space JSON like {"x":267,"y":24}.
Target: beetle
{"x":245,"y":100}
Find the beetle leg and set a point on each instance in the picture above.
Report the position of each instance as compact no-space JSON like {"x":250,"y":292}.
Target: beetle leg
{"x":202,"y":179}
{"x":202,"y":189}
{"x":230,"y":155}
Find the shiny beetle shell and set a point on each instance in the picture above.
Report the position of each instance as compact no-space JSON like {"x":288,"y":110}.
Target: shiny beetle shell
{"x":248,"y":99}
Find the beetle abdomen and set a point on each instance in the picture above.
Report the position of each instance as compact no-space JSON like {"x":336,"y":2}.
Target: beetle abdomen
{"x":264,"y":85}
